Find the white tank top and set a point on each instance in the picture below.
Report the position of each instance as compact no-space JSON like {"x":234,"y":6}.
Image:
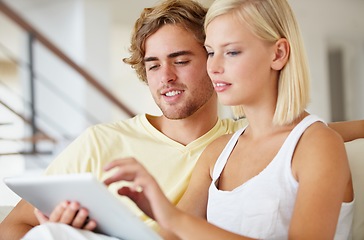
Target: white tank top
{"x":262,"y":207}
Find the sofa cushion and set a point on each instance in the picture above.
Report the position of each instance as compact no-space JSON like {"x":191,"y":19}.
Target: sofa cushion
{"x":355,"y":152}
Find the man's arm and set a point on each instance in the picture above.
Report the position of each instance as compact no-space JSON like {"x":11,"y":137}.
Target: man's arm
{"x":19,"y":221}
{"x":349,"y":130}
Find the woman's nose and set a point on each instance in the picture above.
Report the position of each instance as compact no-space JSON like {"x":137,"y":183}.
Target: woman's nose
{"x":214,"y":65}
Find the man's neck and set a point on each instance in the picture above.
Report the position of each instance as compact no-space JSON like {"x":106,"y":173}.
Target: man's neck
{"x":188,"y":129}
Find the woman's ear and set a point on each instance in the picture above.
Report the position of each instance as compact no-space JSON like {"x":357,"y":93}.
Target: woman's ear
{"x":281,"y":54}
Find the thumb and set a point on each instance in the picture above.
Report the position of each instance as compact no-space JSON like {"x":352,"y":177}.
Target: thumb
{"x":40,"y":216}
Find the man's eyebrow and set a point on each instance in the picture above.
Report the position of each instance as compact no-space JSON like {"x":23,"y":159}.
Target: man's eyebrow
{"x":150,"y":59}
{"x":171,"y":55}
{"x":179,"y":53}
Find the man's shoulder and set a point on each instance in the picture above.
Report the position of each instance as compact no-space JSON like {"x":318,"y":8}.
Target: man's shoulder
{"x":121,"y":125}
{"x":111,"y":134}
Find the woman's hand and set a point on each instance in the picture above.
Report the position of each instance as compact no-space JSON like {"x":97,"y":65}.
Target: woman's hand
{"x":144,"y":191}
{"x":70,"y":213}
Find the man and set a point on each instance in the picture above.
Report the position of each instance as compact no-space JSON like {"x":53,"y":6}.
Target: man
{"x":167,"y":53}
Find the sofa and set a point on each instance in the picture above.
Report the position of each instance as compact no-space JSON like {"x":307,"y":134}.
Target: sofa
{"x":355,"y":151}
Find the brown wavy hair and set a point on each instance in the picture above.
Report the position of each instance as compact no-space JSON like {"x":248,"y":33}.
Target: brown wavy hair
{"x":186,"y":13}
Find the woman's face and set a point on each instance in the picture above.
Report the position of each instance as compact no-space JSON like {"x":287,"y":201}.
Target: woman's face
{"x":239,"y":63}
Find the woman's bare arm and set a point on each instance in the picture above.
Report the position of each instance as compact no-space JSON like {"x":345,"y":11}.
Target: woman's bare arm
{"x":321,"y":167}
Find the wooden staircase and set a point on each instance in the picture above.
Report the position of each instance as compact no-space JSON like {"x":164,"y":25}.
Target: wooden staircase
{"x":13,"y":141}
{"x":30,"y":139}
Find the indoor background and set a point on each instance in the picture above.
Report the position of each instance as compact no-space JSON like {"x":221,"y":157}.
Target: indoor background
{"x":37,"y":86}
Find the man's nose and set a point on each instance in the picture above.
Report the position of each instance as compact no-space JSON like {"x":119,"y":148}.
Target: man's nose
{"x":168,"y":74}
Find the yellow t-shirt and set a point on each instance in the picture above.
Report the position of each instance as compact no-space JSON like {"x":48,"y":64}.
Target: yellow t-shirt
{"x":170,"y":162}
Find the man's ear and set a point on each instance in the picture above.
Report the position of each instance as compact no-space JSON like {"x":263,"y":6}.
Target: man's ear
{"x":281,"y":54}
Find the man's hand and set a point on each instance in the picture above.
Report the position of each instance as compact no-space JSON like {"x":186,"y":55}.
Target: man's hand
{"x":70,"y":213}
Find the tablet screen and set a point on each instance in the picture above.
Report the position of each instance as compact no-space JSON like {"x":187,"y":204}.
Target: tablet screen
{"x":112,"y":216}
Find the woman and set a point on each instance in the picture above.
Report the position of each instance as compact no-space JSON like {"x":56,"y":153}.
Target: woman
{"x":286,"y":174}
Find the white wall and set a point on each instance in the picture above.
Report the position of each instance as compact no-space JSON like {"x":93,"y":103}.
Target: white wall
{"x":322,"y":23}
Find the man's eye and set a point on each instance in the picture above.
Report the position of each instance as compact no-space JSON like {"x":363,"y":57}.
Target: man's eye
{"x":182,"y":62}
{"x":152,"y":67}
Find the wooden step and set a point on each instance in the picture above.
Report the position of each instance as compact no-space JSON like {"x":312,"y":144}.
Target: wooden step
{"x":32,"y":139}
{"x":27,"y":153}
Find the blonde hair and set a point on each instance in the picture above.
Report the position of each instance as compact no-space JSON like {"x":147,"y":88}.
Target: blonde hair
{"x":186,"y":13}
{"x":272,"y":20}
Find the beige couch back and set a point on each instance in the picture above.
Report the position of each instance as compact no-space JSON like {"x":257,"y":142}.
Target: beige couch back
{"x":355,"y":151}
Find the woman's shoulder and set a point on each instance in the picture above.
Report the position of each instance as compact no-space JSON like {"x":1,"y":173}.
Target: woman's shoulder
{"x":221,"y":141}
{"x":319,"y":134}
{"x":318,"y":148}
{"x":214,"y":149}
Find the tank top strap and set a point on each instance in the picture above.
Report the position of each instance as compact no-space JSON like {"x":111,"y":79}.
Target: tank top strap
{"x":222,"y":159}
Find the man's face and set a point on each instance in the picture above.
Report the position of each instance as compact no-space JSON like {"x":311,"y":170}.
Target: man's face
{"x":175,"y":65}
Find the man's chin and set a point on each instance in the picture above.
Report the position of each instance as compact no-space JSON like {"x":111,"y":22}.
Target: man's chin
{"x":178,"y":115}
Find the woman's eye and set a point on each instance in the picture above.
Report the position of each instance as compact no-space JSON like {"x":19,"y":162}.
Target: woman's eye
{"x":233,"y":53}
{"x":210,"y":54}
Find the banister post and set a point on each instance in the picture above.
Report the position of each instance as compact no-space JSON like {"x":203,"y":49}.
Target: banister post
{"x":32,"y":90}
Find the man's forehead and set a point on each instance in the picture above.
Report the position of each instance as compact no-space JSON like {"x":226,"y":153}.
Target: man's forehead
{"x":171,"y":40}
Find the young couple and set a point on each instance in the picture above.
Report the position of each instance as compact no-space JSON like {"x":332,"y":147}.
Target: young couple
{"x":283,"y":175}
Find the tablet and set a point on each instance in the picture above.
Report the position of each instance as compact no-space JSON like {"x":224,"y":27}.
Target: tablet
{"x":112,"y":216}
